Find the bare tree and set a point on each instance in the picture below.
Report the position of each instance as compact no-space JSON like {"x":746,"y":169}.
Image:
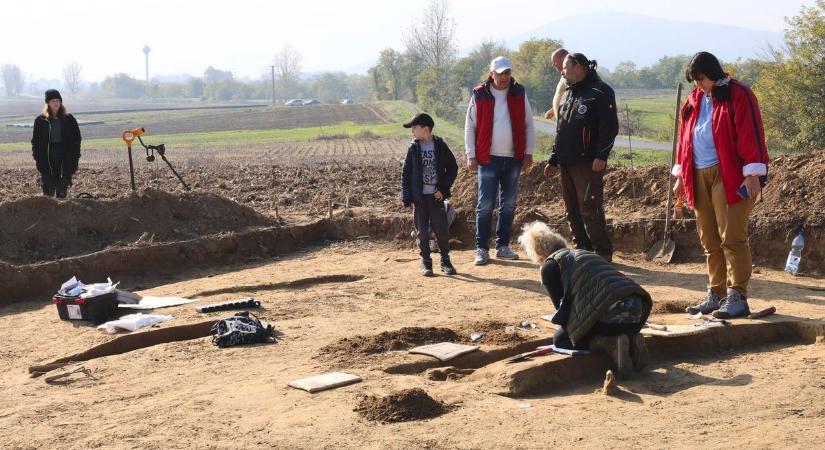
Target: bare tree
{"x":287,"y":64}
{"x":12,"y":79}
{"x":71,"y":76}
{"x":433,"y":39}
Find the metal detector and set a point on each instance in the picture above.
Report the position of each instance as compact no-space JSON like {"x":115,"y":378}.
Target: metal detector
{"x":129,"y":137}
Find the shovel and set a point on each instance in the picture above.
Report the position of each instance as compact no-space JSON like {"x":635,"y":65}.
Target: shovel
{"x":662,"y":251}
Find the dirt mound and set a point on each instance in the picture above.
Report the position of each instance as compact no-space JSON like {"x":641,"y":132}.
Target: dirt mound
{"x":635,"y":201}
{"x":672,"y":306}
{"x":402,"y":406}
{"x":304,"y":189}
{"x":297,"y":193}
{"x":38,"y":229}
{"x":794,"y":195}
{"x":494,"y":333}
{"x":629,"y":195}
{"x":402,"y":339}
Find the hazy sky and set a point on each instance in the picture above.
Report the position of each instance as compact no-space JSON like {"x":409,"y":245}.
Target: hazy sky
{"x":107,"y":36}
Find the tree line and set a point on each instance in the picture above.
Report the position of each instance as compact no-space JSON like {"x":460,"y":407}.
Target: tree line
{"x":789,"y":82}
{"x":283,"y":81}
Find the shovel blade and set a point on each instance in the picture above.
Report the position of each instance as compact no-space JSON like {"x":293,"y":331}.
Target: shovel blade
{"x":661,"y":251}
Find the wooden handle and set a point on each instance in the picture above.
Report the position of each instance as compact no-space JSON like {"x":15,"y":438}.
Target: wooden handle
{"x":764,"y":313}
{"x":36,"y":371}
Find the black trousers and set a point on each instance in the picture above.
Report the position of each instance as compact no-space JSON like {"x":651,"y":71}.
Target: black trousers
{"x":55,"y":182}
{"x":430,"y":215}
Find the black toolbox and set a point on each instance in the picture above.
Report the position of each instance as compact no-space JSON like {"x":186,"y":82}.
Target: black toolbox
{"x":97,"y":309}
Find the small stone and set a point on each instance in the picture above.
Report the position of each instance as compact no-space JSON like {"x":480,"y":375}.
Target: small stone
{"x":610,"y":387}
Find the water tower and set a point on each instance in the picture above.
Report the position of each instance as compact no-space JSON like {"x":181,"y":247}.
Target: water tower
{"x":146,"y":51}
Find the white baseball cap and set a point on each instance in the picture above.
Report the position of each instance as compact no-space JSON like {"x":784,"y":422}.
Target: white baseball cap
{"x":500,"y":64}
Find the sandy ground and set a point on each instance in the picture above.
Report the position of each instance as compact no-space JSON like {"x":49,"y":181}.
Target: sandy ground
{"x":191,"y":394}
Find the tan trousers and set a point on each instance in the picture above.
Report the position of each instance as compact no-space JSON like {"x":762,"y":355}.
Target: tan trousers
{"x":723,"y":231}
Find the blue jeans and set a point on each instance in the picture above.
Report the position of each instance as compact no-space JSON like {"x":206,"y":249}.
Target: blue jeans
{"x":497,"y":180}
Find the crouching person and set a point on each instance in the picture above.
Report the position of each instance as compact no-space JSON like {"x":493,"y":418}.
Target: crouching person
{"x":597,"y":307}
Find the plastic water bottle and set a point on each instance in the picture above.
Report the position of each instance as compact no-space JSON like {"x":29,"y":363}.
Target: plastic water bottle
{"x":792,"y":266}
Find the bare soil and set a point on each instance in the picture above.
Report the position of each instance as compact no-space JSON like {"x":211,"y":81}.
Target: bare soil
{"x":402,"y":339}
{"x":358,"y":305}
{"x":192,"y":394}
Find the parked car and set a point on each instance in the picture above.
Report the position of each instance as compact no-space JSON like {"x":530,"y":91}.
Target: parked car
{"x":347,"y":101}
{"x":294,"y":102}
{"x":312,"y":101}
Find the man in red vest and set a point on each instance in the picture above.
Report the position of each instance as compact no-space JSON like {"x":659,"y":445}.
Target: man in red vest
{"x":499,"y":137}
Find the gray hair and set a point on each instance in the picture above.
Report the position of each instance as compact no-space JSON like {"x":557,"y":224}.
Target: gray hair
{"x":540,"y":241}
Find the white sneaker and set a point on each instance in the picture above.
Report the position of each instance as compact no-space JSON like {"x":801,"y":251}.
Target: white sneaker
{"x":504,"y":252}
{"x":482,"y":257}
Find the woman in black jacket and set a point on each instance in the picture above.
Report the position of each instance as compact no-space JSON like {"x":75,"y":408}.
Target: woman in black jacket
{"x":597,"y":307}
{"x":55,"y":146}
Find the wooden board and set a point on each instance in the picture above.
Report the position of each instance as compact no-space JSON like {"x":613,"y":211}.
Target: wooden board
{"x":324,"y":381}
{"x":444,"y":351}
{"x":676,"y":330}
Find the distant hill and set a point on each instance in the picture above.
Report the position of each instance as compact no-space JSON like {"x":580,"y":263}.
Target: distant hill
{"x":612,"y":37}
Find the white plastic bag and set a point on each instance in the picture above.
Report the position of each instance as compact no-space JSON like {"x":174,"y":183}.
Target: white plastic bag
{"x":133,"y":322}
{"x":75,"y":287}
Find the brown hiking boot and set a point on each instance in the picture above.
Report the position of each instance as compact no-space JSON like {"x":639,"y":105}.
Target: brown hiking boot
{"x":618,"y":347}
{"x":638,"y":352}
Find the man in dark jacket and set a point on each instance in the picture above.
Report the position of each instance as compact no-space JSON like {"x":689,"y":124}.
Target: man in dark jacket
{"x":56,"y":146}
{"x":427,"y":176}
{"x":587,"y":127}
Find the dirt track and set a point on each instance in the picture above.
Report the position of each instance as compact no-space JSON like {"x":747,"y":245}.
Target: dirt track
{"x":190,"y":394}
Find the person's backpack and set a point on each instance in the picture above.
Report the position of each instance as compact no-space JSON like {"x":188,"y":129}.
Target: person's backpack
{"x":241,"y":329}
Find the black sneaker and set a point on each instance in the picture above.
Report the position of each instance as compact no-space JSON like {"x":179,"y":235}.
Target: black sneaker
{"x":447,"y":267}
{"x":427,"y":268}
{"x":638,"y":352}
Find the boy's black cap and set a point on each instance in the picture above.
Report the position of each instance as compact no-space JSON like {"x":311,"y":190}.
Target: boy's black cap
{"x":421,"y":119}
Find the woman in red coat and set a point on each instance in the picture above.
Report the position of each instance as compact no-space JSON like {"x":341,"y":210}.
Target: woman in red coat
{"x":720,"y":166}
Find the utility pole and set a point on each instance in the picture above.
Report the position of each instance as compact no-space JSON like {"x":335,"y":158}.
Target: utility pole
{"x":273,"y":84}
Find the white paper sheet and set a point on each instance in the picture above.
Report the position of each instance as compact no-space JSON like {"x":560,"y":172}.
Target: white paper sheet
{"x":150,"y":302}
